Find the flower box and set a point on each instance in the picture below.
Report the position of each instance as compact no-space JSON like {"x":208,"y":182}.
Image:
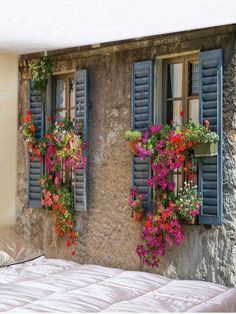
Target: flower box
{"x":205,"y":149}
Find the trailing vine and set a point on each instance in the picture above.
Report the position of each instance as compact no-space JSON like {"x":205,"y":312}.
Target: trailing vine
{"x":171,"y":150}
{"x":60,"y":150}
{"x":41,"y":70}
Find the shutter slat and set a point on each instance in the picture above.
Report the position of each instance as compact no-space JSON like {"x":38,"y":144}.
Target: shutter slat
{"x":209,"y":72}
{"x":36,"y":106}
{"x":142,"y":91}
{"x":81,"y":115}
{"x":209,"y":96}
{"x":209,"y":88}
{"x":210,"y":168}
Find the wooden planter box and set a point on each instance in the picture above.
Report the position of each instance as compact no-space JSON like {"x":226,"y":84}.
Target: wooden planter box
{"x":205,"y":149}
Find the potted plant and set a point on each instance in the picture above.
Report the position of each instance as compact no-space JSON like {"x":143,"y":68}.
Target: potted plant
{"x":136,"y":203}
{"x":205,"y":142}
{"x":133,"y":138}
{"x":188,"y":203}
{"x":208,"y":146}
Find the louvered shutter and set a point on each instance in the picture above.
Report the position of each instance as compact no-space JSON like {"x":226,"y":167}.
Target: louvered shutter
{"x":81,"y":115}
{"x":210,"y":169}
{"x":142,"y":91}
{"x":36,"y":106}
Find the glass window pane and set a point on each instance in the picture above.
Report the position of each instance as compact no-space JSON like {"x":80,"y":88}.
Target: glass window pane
{"x":193,"y":109}
{"x":60,"y":94}
{"x":174,"y":80}
{"x":193,"y":78}
{"x":174,"y":109}
{"x":60,"y":115}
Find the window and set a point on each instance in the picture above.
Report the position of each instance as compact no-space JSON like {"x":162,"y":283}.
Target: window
{"x":63,"y":106}
{"x":180,"y":96}
{"x":181,"y":89}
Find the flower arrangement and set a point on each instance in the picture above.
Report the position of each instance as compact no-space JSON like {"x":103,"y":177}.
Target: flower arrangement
{"x":198,"y":133}
{"x":136,"y":203}
{"x":170,"y":149}
{"x":133,"y":136}
{"x":161,"y":230}
{"x":187,"y":202}
{"x":61,"y":149}
{"x":29,"y":129}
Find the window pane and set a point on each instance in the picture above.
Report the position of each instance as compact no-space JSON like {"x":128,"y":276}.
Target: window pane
{"x":60,"y":94}
{"x":174,"y":80}
{"x":173,"y":111}
{"x":193,"y":78}
{"x":60,"y":115}
{"x":193,"y":109}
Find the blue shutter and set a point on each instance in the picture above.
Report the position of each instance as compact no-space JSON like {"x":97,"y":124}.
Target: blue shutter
{"x":36,"y":106}
{"x":142,"y":97}
{"x":210,"y":169}
{"x":81,"y":115}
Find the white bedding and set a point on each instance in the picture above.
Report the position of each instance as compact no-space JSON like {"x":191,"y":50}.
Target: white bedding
{"x":53,"y":285}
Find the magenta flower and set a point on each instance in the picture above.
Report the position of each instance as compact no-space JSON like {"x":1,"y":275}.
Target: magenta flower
{"x":155,"y":128}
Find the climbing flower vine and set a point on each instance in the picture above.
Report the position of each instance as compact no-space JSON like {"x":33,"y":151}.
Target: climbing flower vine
{"x":61,"y":150}
{"x":170,"y":149}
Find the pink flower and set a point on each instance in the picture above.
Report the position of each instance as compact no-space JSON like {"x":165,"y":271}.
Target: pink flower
{"x":155,"y":128}
{"x":194,"y":213}
{"x":141,"y":197}
{"x":55,"y":198}
{"x":151,"y":181}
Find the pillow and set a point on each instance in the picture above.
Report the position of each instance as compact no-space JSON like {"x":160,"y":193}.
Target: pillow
{"x":15,"y":249}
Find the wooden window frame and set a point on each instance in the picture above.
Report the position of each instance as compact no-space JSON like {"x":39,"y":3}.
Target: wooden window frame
{"x":68,"y":107}
{"x":185,"y":60}
{"x":186,"y":97}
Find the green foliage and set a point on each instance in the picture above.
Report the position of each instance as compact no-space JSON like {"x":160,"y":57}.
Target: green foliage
{"x":197,"y":133}
{"x":210,"y":137}
{"x":132,"y":136}
{"x":41,"y":71}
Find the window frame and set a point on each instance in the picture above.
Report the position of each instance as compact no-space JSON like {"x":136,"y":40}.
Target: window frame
{"x":160,"y":101}
{"x":185,"y":60}
{"x":67,"y":108}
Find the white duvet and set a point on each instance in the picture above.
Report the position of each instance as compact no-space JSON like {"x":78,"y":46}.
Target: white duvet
{"x":53,"y":285}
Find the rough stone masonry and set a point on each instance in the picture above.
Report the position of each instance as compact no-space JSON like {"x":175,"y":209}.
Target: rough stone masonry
{"x":108,"y":235}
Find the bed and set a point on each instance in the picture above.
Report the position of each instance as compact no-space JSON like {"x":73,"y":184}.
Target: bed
{"x":53,"y":285}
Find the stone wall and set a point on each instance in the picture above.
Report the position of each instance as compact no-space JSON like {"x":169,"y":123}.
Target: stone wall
{"x":108,"y":235}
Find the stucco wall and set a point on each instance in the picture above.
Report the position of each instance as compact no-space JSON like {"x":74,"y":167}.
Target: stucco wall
{"x":8,"y":137}
{"x":108,"y":234}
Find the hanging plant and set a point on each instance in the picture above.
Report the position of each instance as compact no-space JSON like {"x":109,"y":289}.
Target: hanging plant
{"x":41,"y":70}
{"x":61,"y":149}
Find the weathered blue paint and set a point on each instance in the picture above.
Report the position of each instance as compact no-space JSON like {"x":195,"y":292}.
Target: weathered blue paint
{"x":142,"y":116}
{"x":35,"y":172}
{"x":81,"y":115}
{"x":210,"y":169}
